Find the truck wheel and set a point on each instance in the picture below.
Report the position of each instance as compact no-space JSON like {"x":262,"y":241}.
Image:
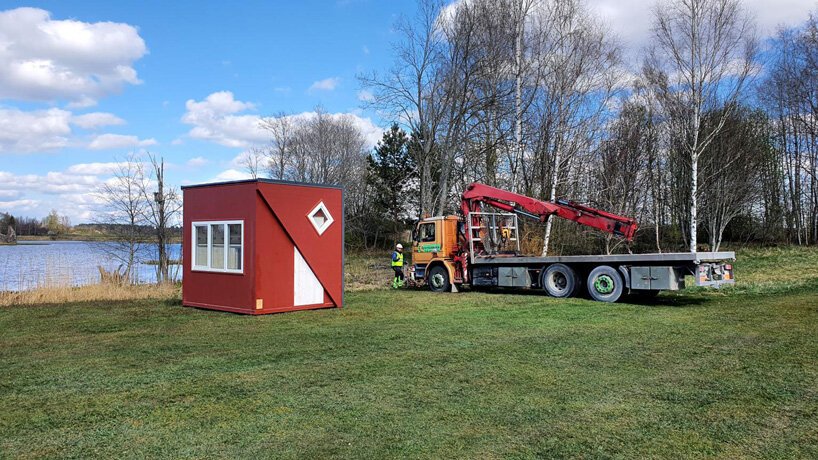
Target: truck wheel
{"x":439,"y":279}
{"x":559,"y":280}
{"x":605,"y":284}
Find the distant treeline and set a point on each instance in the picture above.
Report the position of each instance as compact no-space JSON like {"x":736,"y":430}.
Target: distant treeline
{"x":56,"y":226}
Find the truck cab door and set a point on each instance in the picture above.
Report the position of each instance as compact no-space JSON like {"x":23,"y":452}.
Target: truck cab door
{"x":427,"y":242}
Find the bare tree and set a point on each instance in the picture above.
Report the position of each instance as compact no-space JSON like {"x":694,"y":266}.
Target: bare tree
{"x":254,"y":161}
{"x":164,"y":205}
{"x":731,"y":170}
{"x":579,"y":80}
{"x":621,"y":182}
{"x":702,"y":58}
{"x":790,"y":96}
{"x":427,"y":90}
{"x":123,"y":215}
{"x":282,"y":137}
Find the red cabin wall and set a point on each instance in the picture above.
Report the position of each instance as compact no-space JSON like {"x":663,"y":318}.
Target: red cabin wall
{"x":221,"y":291}
{"x":273,"y":257}
{"x":290,"y":204}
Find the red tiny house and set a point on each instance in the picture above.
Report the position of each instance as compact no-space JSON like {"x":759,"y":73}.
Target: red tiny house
{"x":262,"y":246}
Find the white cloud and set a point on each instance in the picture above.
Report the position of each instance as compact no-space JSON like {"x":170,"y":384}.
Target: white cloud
{"x":327,"y":84}
{"x":230,"y":175}
{"x":43,"y":59}
{"x":118,"y":141}
{"x":219,"y":119}
{"x":52,"y":183}
{"x":372,"y":132}
{"x":44,"y":130}
{"x":36,"y":131}
{"x":365,"y":96}
{"x":70,"y":191}
{"x":19,"y":205}
{"x":631,"y":20}
{"x":96,"y":119}
{"x":197,"y":162}
{"x":95,"y":168}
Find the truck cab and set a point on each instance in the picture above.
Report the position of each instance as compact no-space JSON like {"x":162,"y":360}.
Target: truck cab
{"x":434,"y":245}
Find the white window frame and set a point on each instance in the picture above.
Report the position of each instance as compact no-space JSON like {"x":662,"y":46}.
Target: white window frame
{"x":208,"y":267}
{"x":320,"y":207}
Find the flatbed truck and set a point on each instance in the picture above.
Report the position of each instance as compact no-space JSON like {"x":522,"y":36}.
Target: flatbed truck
{"x":480,"y":249}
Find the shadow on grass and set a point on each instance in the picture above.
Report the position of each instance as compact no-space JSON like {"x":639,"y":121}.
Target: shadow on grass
{"x":640,"y":300}
{"x":665,"y":301}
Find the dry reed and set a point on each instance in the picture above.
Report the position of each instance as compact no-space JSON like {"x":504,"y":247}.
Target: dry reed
{"x":89,"y":293}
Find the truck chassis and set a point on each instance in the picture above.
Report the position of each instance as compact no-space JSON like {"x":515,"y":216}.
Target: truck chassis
{"x":605,"y":277}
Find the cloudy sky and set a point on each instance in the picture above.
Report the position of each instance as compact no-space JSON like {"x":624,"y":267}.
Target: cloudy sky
{"x":82,"y":84}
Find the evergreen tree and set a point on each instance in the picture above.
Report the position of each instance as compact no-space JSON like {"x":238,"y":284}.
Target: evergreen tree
{"x":391,"y":173}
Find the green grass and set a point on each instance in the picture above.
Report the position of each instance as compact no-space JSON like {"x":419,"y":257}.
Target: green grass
{"x":728,"y":374}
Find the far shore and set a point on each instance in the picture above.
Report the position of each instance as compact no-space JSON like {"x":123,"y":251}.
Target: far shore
{"x":79,"y":237}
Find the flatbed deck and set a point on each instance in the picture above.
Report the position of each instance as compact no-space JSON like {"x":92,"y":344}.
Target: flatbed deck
{"x":651,"y":258}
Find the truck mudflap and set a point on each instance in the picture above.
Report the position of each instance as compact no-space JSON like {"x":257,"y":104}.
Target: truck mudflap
{"x":714,"y":274}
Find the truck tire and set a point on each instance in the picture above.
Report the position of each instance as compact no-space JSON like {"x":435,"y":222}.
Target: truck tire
{"x":439,"y":279}
{"x":559,"y":280}
{"x":605,"y":284}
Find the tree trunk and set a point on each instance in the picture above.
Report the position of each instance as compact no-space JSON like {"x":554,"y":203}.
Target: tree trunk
{"x":694,"y":183}
{"x":518,"y":100}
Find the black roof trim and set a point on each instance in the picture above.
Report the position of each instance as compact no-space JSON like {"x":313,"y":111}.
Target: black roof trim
{"x":264,"y":181}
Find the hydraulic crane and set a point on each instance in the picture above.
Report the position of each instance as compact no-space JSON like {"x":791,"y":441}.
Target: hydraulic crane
{"x":478,"y":194}
{"x":454,"y":251}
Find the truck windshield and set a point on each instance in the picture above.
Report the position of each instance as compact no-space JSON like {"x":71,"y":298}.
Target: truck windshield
{"x":427,"y":232}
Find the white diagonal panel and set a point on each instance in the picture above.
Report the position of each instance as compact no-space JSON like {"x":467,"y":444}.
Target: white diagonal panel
{"x":307,"y":290}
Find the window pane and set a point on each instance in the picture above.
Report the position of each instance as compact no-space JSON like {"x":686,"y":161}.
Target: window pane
{"x":235,"y":233}
{"x":200,"y":258}
{"x":319,"y":218}
{"x":217,"y":246}
{"x":234,"y":252}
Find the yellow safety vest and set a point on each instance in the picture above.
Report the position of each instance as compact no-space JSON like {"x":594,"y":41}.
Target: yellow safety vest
{"x":399,"y":262}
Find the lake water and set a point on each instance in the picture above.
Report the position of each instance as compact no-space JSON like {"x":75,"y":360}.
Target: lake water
{"x":30,"y":264}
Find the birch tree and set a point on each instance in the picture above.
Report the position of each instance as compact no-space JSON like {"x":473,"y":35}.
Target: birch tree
{"x":703,"y":55}
{"x":578,"y":82}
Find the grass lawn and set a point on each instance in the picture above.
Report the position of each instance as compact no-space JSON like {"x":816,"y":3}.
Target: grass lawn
{"x":730,"y":374}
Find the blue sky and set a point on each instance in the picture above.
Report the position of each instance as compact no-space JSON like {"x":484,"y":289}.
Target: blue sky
{"x":250,"y":58}
{"x":82,"y":84}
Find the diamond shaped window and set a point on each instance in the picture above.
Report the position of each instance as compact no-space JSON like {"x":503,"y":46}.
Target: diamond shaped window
{"x":320,"y":218}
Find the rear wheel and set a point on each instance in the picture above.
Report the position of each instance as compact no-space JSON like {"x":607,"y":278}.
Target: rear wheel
{"x":605,"y":284}
{"x":559,"y":280}
{"x":439,"y":279}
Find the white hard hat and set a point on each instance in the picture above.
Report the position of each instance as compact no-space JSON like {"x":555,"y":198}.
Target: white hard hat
{"x":398,"y":246}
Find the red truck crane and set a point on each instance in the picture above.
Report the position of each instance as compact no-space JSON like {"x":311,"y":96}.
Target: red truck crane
{"x":481,"y":248}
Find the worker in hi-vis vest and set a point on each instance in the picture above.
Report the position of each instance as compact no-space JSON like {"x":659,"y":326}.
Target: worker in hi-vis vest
{"x":397,"y":265}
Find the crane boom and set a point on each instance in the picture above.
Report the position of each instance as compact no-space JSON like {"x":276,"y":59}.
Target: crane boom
{"x":477,"y":194}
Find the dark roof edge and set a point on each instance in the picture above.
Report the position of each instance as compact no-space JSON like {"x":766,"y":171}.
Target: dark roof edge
{"x":264,"y":181}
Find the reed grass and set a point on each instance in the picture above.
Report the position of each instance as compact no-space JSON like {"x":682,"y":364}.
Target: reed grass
{"x":90,"y":293}
{"x":368,"y":270}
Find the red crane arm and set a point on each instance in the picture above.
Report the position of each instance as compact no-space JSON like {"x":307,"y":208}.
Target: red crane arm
{"x":478,"y":193}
